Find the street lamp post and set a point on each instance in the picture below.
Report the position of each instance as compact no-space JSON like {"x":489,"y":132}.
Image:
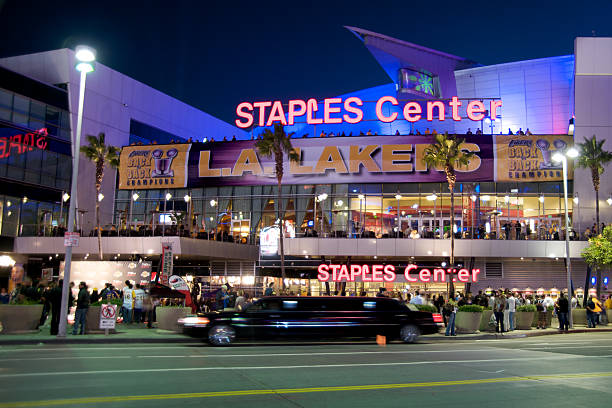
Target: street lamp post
{"x":135,"y":197}
{"x":398,"y":197}
{"x":559,"y":157}
{"x":85,"y":57}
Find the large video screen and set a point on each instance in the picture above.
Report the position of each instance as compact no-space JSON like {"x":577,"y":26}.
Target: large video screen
{"x":417,"y":82}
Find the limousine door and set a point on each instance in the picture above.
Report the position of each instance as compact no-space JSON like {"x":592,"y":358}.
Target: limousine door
{"x":260,"y":320}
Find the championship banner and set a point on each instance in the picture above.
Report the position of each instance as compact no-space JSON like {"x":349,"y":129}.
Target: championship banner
{"x":529,"y":157}
{"x":154,"y":166}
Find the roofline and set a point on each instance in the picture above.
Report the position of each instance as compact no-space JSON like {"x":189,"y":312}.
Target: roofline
{"x":505,"y":64}
{"x":360,"y":31}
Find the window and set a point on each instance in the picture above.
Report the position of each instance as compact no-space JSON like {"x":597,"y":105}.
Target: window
{"x":494,"y":270}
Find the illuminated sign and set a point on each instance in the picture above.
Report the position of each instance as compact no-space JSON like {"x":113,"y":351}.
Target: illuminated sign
{"x":21,"y":143}
{"x":386,"y":273}
{"x":258,"y":113}
{"x":154,"y":166}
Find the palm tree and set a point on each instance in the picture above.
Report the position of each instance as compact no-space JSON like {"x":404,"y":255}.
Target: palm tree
{"x":100,"y":154}
{"x":593,"y":157}
{"x":446,"y":153}
{"x":276,"y":144}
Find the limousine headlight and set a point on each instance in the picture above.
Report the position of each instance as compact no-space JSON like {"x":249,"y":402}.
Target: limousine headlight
{"x":194,"y":321}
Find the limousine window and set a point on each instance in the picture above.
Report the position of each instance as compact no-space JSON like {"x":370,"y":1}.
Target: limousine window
{"x":265,"y":305}
{"x":290,"y":304}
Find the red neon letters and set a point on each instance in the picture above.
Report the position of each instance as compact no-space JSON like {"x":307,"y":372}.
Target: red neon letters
{"x":386,"y":273}
{"x":23,"y":143}
{"x":257,"y":112}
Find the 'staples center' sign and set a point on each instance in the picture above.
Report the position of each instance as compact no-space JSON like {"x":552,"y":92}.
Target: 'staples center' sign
{"x":386,"y":273}
{"x":266,"y":113}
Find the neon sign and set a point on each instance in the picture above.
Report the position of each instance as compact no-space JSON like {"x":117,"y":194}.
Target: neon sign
{"x":257,"y":113}
{"x":23,"y":142}
{"x":386,"y":273}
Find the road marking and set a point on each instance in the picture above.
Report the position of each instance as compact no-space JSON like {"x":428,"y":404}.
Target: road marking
{"x":156,"y":370}
{"x":5,"y":349}
{"x":281,"y":391}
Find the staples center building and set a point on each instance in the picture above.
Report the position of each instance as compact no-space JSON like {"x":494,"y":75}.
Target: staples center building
{"x":362,"y":195}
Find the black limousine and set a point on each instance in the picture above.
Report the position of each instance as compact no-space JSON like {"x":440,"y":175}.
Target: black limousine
{"x":318,"y":317}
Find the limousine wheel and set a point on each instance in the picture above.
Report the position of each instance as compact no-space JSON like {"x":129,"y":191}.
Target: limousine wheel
{"x":409,"y":333}
{"x":221,"y":335}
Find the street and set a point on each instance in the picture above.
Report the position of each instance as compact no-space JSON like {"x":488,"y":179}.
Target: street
{"x":558,"y":370}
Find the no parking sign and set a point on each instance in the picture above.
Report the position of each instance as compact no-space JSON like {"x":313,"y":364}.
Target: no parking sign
{"x":108,"y":315}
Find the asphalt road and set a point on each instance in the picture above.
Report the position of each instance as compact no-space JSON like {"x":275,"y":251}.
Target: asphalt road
{"x":561,"y":370}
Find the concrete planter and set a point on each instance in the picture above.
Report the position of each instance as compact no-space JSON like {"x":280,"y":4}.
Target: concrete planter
{"x":579,"y":317}
{"x":609,"y":314}
{"x":484,"y":321}
{"x":92,"y":325}
{"x":534,"y":322}
{"x":167,"y":317}
{"x":19,"y":319}
{"x":524,"y":320}
{"x":467,"y":322}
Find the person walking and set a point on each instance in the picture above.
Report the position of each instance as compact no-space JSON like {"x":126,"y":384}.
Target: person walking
{"x":511,"y":302}
{"x":499,"y":305}
{"x":269,"y":290}
{"x":80,"y":316}
{"x":541,"y":310}
{"x":128,"y":302}
{"x":450,"y":309}
{"x":562,"y":312}
{"x":139,"y":295}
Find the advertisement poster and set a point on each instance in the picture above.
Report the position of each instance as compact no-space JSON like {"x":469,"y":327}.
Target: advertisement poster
{"x":153,"y":166}
{"x":95,"y":273}
{"x":529,"y":157}
{"x":46,"y":274}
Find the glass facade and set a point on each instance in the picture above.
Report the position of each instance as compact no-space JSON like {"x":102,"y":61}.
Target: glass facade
{"x":415,"y":210}
{"x":33,"y":180}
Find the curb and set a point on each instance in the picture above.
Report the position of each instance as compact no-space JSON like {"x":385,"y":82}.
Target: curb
{"x":494,"y":336}
{"x":9,"y":342}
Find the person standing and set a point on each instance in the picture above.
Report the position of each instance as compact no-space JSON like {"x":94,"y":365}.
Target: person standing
{"x":80,"y":316}
{"x":562,"y":312}
{"x":499,"y":305}
{"x":541,"y":310}
{"x":128,"y":302}
{"x":590,"y":311}
{"x":269,"y":290}
{"x":55,"y":298}
{"x":450,"y":310}
{"x":4,"y":296}
{"x":511,"y":302}
{"x":139,"y":295}
{"x":222,"y":298}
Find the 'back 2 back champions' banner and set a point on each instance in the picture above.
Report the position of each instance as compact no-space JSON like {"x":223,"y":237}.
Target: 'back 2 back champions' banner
{"x":362,"y":159}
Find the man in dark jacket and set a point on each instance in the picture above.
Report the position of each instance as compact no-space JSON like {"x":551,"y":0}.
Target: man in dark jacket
{"x":80,"y":316}
{"x":562,"y":312}
{"x":55,"y":299}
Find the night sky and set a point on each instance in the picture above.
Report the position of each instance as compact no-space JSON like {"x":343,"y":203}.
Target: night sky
{"x":215,"y":54}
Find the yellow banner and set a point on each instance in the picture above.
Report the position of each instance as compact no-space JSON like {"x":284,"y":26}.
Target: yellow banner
{"x":154,"y":166}
{"x":530,"y":157}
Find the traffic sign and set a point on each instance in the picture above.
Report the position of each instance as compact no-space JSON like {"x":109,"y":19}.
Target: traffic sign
{"x":108,"y":316}
{"x":71,"y":239}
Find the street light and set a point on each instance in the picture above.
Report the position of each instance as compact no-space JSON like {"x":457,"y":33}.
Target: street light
{"x":321,"y":197}
{"x":560,"y":157}
{"x":398,"y":197}
{"x":100,"y":197}
{"x":86,"y":57}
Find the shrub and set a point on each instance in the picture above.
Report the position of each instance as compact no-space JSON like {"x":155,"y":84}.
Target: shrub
{"x":25,"y":302}
{"x":550,"y":308}
{"x":471,"y":308}
{"x":117,"y":302}
{"x":427,"y":308}
{"x":526,"y":308}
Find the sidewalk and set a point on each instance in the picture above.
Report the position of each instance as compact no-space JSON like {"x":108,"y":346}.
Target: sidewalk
{"x":133,"y":334}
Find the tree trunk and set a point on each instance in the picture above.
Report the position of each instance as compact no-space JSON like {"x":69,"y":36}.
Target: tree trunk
{"x":99,"y":231}
{"x":586,"y":286}
{"x":282,"y":245}
{"x":451,"y":178}
{"x":99,"y":178}
{"x":595,"y":176}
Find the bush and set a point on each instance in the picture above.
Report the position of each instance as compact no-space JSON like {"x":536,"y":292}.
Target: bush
{"x":25,"y":302}
{"x":526,"y":308}
{"x":427,"y":308}
{"x":117,"y":302}
{"x":471,"y":308}
{"x":550,"y":308}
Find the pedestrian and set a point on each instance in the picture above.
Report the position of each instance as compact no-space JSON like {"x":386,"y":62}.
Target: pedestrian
{"x":240,"y":301}
{"x":269,"y":290}
{"x":419,"y":299}
{"x":222,"y":298}
{"x":55,"y":298}
{"x":139,"y":294}
{"x":128,"y":302}
{"x":450,"y":309}
{"x":80,"y":316}
{"x":562,"y":312}
{"x":95,"y":296}
{"x":541,"y":311}
{"x":511,"y":302}
{"x":499,"y":304}
{"x":4,"y":296}
{"x":591,"y":313}
{"x":106,"y":291}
